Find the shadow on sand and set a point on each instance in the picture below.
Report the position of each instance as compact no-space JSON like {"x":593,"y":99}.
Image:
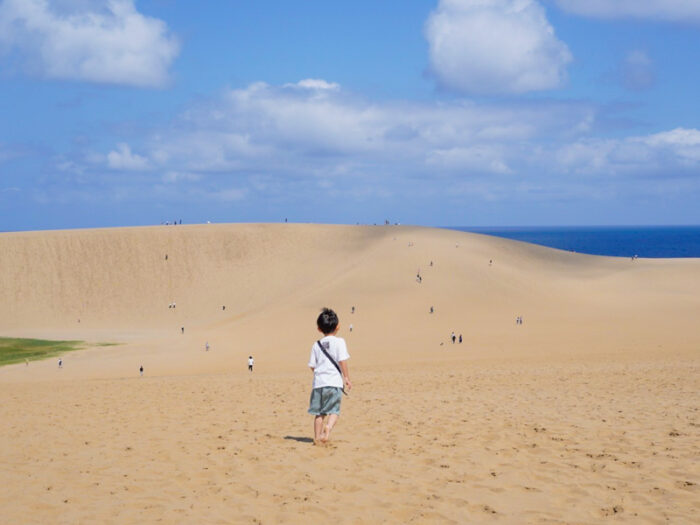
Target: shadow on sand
{"x":300,"y":439}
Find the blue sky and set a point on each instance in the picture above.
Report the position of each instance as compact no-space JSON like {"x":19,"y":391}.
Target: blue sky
{"x":440,"y":112}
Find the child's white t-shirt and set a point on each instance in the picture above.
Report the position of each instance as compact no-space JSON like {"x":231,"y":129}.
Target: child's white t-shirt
{"x":325,"y":373}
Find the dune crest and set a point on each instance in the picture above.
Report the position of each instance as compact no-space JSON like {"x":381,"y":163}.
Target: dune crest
{"x":239,"y":281}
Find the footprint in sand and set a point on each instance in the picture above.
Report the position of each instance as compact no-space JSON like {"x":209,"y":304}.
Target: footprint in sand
{"x":610,"y":511}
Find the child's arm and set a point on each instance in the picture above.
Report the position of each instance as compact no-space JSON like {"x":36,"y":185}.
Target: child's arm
{"x":346,"y":374}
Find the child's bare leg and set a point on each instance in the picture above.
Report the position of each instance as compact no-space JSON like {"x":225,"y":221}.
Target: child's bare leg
{"x":318,"y":428}
{"x":330,"y":423}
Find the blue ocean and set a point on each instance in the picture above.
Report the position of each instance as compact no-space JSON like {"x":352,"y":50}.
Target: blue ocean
{"x":618,"y":241}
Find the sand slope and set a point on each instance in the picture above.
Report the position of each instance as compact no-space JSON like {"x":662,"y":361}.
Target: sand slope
{"x":586,"y":412}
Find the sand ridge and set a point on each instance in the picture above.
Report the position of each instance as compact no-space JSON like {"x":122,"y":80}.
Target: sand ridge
{"x":587,"y":412}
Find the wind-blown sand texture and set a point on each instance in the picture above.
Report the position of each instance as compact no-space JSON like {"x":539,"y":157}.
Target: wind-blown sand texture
{"x":585,"y":413}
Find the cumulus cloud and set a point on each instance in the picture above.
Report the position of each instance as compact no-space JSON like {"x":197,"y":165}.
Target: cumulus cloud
{"x":671,"y":10}
{"x":104,"y":42}
{"x":287,"y":128}
{"x":681,"y":143}
{"x":282,"y":141}
{"x":666,"y":154}
{"x":495,"y":46}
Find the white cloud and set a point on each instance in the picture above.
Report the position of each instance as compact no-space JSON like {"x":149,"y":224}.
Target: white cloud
{"x":495,"y":46}
{"x":123,"y":159}
{"x":681,"y":143}
{"x":283,"y":142}
{"x":665,"y":154}
{"x":287,"y":129}
{"x":671,"y":10}
{"x":105,"y":42}
{"x":315,"y":83}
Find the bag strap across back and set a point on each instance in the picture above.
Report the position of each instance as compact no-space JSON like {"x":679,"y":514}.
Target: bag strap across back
{"x":337,"y":367}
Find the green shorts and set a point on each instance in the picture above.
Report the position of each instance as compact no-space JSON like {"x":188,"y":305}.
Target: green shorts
{"x":325,"y":400}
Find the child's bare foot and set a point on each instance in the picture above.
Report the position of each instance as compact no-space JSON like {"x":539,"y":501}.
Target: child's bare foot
{"x":326,"y":434}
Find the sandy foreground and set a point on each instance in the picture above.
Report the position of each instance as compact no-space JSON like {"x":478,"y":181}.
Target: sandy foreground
{"x":588,"y":412}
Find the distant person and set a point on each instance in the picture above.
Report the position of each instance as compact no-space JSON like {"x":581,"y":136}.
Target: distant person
{"x":431,"y":263}
{"x":60,"y":363}
{"x":453,"y":337}
{"x":251,"y":362}
{"x":141,"y":370}
{"x":182,"y":329}
{"x":460,"y":338}
{"x":206,"y":346}
{"x":432,"y":310}
{"x":352,"y":310}
{"x":328,"y":362}
{"x":223,"y":307}
{"x":166,"y":256}
{"x":490,"y":262}
{"x":350,"y":327}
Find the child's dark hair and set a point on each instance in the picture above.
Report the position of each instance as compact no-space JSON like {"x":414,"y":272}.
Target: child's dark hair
{"x":327,"y":321}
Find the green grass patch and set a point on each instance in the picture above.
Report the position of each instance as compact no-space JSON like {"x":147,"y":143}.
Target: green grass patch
{"x":16,"y":350}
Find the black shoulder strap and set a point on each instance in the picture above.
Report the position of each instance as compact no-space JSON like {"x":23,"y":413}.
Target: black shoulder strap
{"x":337,"y":367}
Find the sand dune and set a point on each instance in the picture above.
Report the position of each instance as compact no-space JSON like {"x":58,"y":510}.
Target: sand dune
{"x":586,"y":412}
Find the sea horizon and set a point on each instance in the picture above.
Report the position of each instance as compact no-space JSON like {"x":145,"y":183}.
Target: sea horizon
{"x":649,"y":241}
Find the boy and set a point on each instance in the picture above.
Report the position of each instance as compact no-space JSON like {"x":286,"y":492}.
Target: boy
{"x":328,"y":380}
